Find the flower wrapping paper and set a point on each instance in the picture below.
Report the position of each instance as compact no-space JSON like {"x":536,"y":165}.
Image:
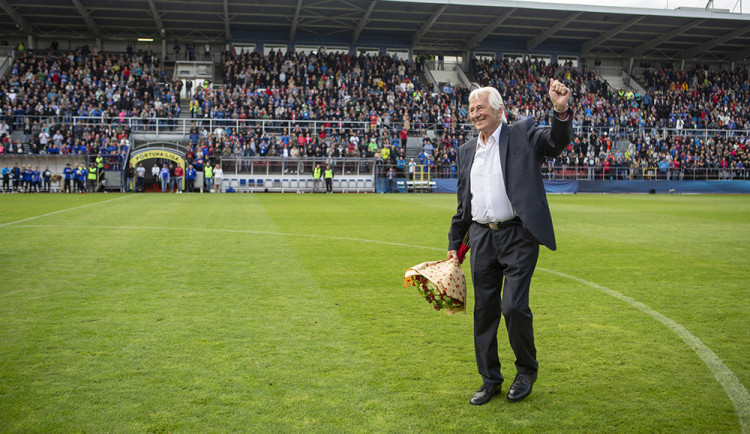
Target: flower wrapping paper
{"x":446,"y":275}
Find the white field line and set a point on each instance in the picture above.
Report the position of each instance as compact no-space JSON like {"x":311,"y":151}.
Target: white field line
{"x":736,"y":391}
{"x":725,"y":376}
{"x":61,"y":211}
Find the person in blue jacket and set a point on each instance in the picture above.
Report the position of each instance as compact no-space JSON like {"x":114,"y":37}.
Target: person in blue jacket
{"x":26,"y":178}
{"x":36,"y":180}
{"x":6,"y":179}
{"x":190,"y":178}
{"x":47,"y":178}
{"x":16,"y":175}
{"x":80,"y":178}
{"x":68,"y":173}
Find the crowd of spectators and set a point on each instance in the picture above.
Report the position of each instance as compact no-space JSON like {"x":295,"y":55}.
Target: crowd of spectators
{"x":46,"y":91}
{"x":367,"y":106}
{"x":658,"y":126}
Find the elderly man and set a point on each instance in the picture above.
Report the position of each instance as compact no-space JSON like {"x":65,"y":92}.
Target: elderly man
{"x":502,"y":206}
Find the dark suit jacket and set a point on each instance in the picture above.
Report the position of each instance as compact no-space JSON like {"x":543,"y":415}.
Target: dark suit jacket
{"x":522,"y":147}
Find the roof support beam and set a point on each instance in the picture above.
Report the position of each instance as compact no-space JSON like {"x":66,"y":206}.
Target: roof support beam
{"x":295,"y":21}
{"x":87,"y":17}
{"x":741,"y":56}
{"x":363,"y":21}
{"x":227,"y":28}
{"x":157,"y":17}
{"x":21,"y":23}
{"x":428,"y":24}
{"x":546,"y":34}
{"x":640,"y":49}
{"x":690,"y":52}
{"x":588,"y":46}
{"x":479,"y":37}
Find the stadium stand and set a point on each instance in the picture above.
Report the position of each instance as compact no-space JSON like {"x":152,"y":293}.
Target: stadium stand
{"x":672,"y":122}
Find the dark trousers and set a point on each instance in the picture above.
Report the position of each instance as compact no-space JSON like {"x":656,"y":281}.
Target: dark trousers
{"x":502,"y":263}
{"x":329,"y":185}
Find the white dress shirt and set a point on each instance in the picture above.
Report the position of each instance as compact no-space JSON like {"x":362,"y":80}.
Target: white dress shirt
{"x":489,"y":200}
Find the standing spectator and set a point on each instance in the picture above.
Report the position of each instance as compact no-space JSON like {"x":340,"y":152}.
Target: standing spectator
{"x":68,"y":178}
{"x":36,"y":180}
{"x":164,"y":178}
{"x":6,"y":179}
{"x":16,"y":175}
{"x":412,"y":167}
{"x":218,"y":178}
{"x":26,"y":177}
{"x":129,"y":175}
{"x":140,"y":183}
{"x":171,"y":187}
{"x":317,"y":175}
{"x":190,"y":179}
{"x":329,"y":179}
{"x":92,"y":178}
{"x":178,"y":175}
{"x":208,"y":174}
{"x":47,"y":177}
{"x":44,"y":139}
{"x":80,"y":177}
{"x":391,"y":177}
{"x":155,"y":171}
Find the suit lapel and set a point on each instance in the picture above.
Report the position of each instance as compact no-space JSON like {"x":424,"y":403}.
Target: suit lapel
{"x":471,"y":150}
{"x":471,"y":147}
{"x":503,"y":145}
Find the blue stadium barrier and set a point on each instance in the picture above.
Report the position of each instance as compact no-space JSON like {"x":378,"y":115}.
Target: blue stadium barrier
{"x":676,"y":187}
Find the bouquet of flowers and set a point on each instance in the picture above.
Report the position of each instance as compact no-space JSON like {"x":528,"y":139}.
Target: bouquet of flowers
{"x":441,"y":283}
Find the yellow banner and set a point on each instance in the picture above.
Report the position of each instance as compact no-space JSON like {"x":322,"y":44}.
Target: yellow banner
{"x":146,"y":155}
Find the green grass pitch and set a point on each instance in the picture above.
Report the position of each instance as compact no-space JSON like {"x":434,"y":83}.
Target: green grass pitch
{"x":286,"y":312}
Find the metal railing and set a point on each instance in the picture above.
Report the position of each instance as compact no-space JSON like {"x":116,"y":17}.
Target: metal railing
{"x":280,"y":166}
{"x":599,"y":172}
{"x":594,"y":173}
{"x":182,"y":127}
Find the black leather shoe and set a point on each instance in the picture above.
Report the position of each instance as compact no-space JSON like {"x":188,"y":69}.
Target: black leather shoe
{"x":485,"y":393}
{"x":521,"y":387}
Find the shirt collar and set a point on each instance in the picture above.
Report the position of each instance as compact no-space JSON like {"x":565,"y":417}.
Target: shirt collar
{"x":495,"y":134}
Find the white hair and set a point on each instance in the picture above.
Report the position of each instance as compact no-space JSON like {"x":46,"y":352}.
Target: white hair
{"x":496,"y":101}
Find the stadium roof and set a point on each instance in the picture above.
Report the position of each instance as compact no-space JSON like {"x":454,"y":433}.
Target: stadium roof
{"x":451,"y":26}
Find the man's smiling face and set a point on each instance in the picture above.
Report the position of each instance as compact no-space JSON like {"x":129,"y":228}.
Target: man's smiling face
{"x":485,"y":118}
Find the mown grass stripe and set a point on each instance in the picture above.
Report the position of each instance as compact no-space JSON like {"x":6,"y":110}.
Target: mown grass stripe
{"x":725,"y":376}
{"x":62,"y":211}
{"x":727,"y":379}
